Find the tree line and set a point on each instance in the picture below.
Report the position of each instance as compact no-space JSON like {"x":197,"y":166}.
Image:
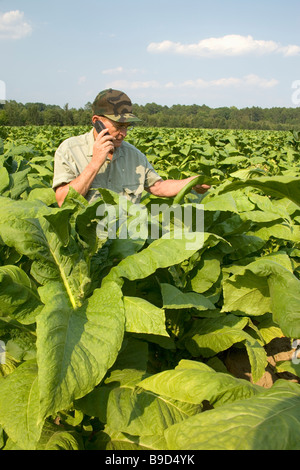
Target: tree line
{"x":155,"y":115}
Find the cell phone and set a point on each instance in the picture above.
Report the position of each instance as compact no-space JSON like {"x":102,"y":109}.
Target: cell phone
{"x":99,"y":126}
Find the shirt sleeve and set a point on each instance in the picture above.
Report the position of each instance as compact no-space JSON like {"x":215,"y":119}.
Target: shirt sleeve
{"x":151,"y":177}
{"x":64,"y":167}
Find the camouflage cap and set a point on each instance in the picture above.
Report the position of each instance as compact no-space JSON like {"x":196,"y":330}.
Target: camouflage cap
{"x":114,"y":105}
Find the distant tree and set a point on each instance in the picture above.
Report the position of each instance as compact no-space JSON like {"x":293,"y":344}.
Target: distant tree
{"x":152,"y":108}
{"x":152,"y":114}
{"x":53,"y":116}
{"x":67,"y":116}
{"x":14,"y":113}
{"x":33,"y":115}
{"x":3,"y":118}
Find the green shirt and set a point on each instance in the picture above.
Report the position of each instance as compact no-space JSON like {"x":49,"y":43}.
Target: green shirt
{"x":128,"y":173}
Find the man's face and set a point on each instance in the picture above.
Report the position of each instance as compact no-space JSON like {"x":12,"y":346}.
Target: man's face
{"x":117,"y":130}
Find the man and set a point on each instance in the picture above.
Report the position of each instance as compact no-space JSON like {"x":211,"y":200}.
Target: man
{"x":104,"y":160}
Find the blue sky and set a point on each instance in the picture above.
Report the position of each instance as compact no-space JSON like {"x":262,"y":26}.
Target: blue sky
{"x":218,"y":52}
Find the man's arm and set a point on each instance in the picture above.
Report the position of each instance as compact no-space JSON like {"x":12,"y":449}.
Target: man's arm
{"x":102,"y":147}
{"x":81,"y":184}
{"x":170,"y":188}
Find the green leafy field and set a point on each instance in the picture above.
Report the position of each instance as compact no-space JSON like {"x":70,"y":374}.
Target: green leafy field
{"x":124,"y":344}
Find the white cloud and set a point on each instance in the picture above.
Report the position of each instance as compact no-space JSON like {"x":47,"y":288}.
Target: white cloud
{"x":230,"y":45}
{"x":81,"y":80}
{"x":113,"y":71}
{"x":249,"y":81}
{"x":134,"y":85}
{"x":244,"y":82}
{"x":121,"y":70}
{"x":13,"y":25}
{"x":254,"y":80}
{"x":290,"y":50}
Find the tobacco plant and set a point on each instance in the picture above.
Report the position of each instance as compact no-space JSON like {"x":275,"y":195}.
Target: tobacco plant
{"x":122,"y":343}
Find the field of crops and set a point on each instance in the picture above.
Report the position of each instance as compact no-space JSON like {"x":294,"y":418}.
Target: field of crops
{"x":152,"y":344}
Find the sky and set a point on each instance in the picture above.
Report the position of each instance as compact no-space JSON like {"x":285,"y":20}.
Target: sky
{"x":216,"y":53}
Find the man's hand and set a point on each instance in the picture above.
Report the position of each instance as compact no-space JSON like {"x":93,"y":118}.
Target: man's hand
{"x":170,"y":188}
{"x":201,"y":188}
{"x":103,"y":147}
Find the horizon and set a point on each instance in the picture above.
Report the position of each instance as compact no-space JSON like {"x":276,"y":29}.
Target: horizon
{"x":168,"y":106}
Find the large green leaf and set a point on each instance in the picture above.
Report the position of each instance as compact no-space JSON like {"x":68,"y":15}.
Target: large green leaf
{"x":63,"y":440}
{"x":285,"y":300}
{"x":268,"y":421}
{"x":68,"y":265}
{"x":23,"y":227}
{"x":161,"y":253}
{"x":138,"y":412}
{"x":293,"y":367}
{"x":206,"y":273}
{"x":110,"y":439}
{"x":76,"y":347}
{"x":19,"y":405}
{"x":133,"y":357}
{"x":193,"y":382}
{"x":281,"y":231}
{"x":244,"y":245}
{"x":18,"y":296}
{"x":144,"y":317}
{"x":4,"y":179}
{"x":245,"y":294}
{"x":45,"y":195}
{"x":280,"y":186}
{"x":273,"y":286}
{"x":85,"y":217}
{"x":173,"y":298}
{"x":18,"y":182}
{"x":222,"y":202}
{"x":10,"y":209}
{"x":210,"y":336}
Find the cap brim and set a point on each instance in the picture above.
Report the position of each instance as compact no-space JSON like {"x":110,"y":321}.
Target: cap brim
{"x":128,"y":117}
